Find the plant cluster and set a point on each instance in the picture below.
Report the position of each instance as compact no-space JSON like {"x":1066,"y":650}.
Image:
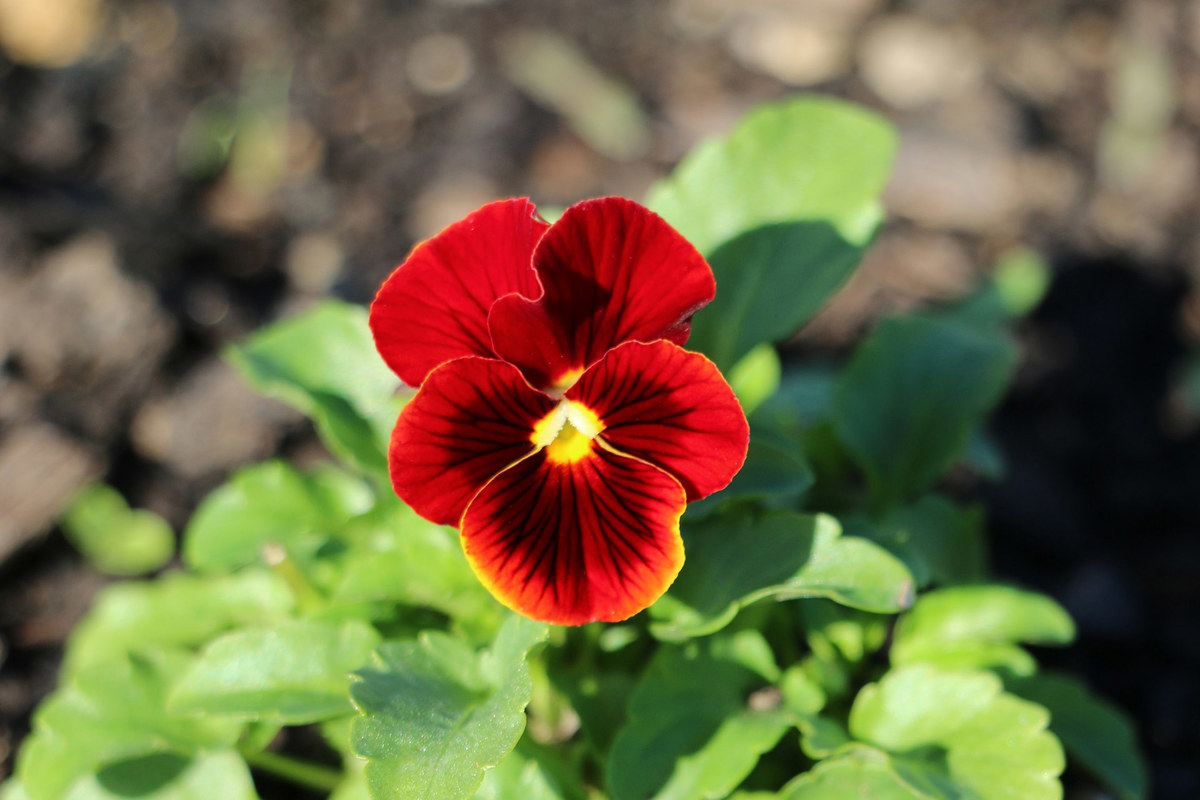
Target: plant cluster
{"x":833,"y":632}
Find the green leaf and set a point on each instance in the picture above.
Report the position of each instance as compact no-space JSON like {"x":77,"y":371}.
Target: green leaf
{"x":354,"y":785}
{"x":115,"y":539}
{"x":727,"y":758}
{"x":166,"y":776}
{"x":938,"y":540}
{"x":739,"y":556}
{"x":948,"y":625}
{"x":681,"y":702}
{"x":271,"y":504}
{"x":908,"y":401}
{"x":840,"y":634}
{"x":11,"y":789}
{"x":323,"y":362}
{"x":863,"y":773}
{"x":783,"y":208}
{"x":805,"y":158}
{"x":108,"y":714}
{"x":775,"y":472}
{"x":957,"y":733}
{"x":821,"y":737}
{"x":771,"y":281}
{"x":176,"y":610}
{"x":755,"y":377}
{"x":398,"y":557}
{"x":518,"y":778}
{"x":600,"y":698}
{"x":297,"y":672}
{"x":1022,"y":278}
{"x":1094,"y":733}
{"x":801,"y":694}
{"x":436,"y":714}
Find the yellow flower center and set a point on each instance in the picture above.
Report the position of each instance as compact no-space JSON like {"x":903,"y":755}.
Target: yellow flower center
{"x":567,"y":432}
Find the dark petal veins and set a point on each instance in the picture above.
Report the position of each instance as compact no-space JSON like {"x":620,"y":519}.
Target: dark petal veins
{"x":671,"y":408}
{"x":472,"y":418}
{"x":570,"y":543}
{"x":612,"y":271}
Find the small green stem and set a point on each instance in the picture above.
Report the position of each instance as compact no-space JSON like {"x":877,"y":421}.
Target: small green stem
{"x":279,"y":561}
{"x":314,"y":776}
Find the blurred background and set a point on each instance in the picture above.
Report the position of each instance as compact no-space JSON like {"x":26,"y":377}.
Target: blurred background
{"x":175,"y":174}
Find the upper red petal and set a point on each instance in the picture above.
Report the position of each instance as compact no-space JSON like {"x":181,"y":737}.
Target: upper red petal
{"x":569,"y":543}
{"x":612,"y":271}
{"x":434,"y":306}
{"x":471,"y":418}
{"x":670,"y":407}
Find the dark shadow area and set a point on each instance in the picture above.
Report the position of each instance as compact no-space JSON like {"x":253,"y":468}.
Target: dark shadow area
{"x":1101,"y":504}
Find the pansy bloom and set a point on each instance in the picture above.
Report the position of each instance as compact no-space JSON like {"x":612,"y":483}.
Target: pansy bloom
{"x":559,"y":423}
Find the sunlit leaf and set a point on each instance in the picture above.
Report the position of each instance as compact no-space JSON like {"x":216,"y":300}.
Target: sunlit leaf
{"x":783,"y":207}
{"x":167,"y":776}
{"x":436,"y":714}
{"x":737,"y":557}
{"x":518,"y":778}
{"x":952,"y":734}
{"x":113,"y":712}
{"x":296,"y":672}
{"x":176,"y":610}
{"x":323,"y":363}
{"x":681,"y":705}
{"x":398,"y":557}
{"x":727,"y":758}
{"x":270,"y":504}
{"x":755,"y":377}
{"x":863,"y":773}
{"x":1095,"y":733}
{"x":114,"y":538}
{"x":977,"y":626}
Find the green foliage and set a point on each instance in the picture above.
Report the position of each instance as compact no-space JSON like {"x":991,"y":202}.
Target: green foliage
{"x":775,"y":471}
{"x":271,"y":504}
{"x":907,"y":402}
{"x":436,"y":714}
{"x":295,"y":672}
{"x":324,"y":364}
{"x":218,"y":773}
{"x":396,"y":557}
{"x":317,"y":597}
{"x":979,"y":626}
{"x":117,"y":540}
{"x":783,"y":208}
{"x":176,"y":611}
{"x":517,"y":777}
{"x":958,"y":733}
{"x":690,"y":734}
{"x":938,"y":541}
{"x":1094,"y":733}
{"x":755,"y":376}
{"x":110,"y":714}
{"x":737,"y":557}
{"x":862,"y":772}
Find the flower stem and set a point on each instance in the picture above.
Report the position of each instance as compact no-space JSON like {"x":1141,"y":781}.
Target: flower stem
{"x":314,"y":776}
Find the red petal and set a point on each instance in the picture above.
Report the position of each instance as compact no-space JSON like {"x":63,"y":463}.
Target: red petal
{"x":434,"y":306}
{"x":575,"y":542}
{"x":472,"y":418}
{"x":670,"y":407}
{"x":612,"y":272}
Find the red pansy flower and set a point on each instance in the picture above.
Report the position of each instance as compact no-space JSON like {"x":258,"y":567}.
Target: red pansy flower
{"x":559,"y":424}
